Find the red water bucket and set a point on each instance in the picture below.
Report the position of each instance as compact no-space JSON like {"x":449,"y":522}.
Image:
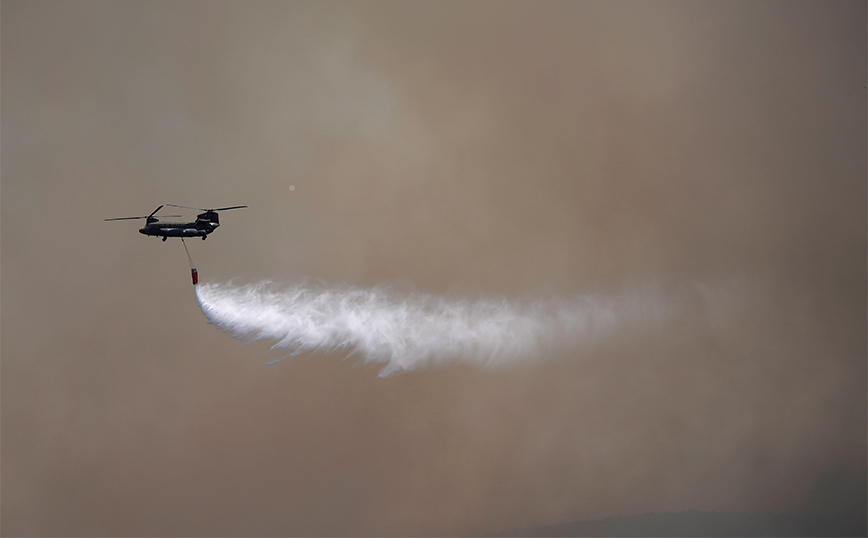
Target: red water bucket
{"x":195,"y":276}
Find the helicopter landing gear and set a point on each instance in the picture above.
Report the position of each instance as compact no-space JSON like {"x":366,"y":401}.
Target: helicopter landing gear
{"x":164,"y":238}
{"x":204,"y":237}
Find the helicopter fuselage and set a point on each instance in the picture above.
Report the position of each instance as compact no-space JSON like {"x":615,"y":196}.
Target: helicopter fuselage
{"x":179,"y":229}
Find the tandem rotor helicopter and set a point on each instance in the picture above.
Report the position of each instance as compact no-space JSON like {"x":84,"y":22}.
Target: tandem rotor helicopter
{"x":205,"y":223}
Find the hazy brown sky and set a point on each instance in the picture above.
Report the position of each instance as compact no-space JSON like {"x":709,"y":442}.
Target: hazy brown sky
{"x":502,"y":148}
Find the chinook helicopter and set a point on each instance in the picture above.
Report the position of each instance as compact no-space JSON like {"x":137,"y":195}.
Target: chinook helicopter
{"x":205,"y":223}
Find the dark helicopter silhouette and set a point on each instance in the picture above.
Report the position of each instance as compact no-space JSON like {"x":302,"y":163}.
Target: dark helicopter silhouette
{"x":205,"y":223}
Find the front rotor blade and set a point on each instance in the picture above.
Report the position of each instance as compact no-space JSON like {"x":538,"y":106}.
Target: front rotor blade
{"x":154,"y":211}
{"x":227,"y":208}
{"x":131,"y":218}
{"x":187,"y":207}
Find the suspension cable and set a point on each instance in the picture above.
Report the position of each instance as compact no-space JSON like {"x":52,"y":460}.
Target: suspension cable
{"x":193,"y":271}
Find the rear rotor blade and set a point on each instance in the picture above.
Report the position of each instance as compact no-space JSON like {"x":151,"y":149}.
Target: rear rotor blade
{"x":203,"y":209}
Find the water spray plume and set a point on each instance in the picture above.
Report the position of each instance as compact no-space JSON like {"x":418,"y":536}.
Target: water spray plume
{"x":406,"y":330}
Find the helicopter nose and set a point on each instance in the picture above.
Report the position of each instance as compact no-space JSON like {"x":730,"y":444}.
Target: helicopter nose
{"x":142,"y":231}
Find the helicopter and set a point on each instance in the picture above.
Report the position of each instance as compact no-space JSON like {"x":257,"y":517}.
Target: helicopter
{"x":205,"y":223}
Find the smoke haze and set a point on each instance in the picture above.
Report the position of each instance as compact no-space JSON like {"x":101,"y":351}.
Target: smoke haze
{"x":710,"y":156}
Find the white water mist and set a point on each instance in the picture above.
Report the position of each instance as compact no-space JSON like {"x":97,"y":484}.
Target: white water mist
{"x":405,"y":330}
